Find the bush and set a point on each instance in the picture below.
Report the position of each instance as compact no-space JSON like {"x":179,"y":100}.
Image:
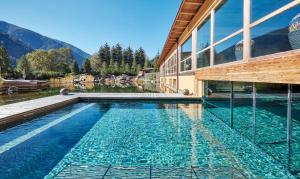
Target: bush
{"x":44,"y":75}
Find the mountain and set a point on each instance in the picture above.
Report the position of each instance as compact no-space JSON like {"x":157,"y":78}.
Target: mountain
{"x":32,"y":40}
{"x":14,"y":47}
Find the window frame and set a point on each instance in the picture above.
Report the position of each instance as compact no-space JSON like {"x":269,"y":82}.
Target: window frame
{"x":190,"y":37}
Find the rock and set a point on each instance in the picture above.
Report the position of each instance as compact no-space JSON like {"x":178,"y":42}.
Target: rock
{"x":64,"y":91}
{"x":185,"y":92}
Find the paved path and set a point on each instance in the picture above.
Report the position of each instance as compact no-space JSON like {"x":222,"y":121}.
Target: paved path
{"x":18,"y":112}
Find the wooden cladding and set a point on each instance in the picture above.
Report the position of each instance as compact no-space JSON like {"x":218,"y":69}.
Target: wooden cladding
{"x":273,"y":69}
{"x":186,"y":13}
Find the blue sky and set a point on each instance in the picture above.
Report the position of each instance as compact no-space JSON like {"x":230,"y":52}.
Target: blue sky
{"x":89,"y":23}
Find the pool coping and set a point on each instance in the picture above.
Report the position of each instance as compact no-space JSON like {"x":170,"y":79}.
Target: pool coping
{"x":12,"y":114}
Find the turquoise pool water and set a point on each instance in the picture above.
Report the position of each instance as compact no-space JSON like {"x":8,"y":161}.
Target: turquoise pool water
{"x":118,"y":138}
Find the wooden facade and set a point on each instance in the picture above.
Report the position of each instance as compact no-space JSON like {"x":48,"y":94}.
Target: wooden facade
{"x":282,"y":68}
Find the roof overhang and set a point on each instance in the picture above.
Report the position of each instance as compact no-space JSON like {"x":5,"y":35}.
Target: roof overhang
{"x":185,"y":14}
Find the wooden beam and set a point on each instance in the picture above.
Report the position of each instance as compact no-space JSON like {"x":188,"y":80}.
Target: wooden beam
{"x":187,"y":12}
{"x":193,"y":3}
{"x":182,"y":20}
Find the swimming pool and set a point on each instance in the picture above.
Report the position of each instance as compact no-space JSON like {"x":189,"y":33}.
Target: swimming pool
{"x":133,"y":138}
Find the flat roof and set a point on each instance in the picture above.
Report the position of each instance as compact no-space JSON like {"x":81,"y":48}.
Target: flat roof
{"x":185,"y":14}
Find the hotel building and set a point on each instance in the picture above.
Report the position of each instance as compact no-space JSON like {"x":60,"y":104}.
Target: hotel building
{"x":243,"y":58}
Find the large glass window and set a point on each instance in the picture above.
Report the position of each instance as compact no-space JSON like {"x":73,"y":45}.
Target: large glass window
{"x":278,"y":34}
{"x":203,"y":35}
{"x":229,"y":50}
{"x":171,"y":65}
{"x":186,"y":55}
{"x":186,"y":48}
{"x":203,"y":42}
{"x":203,"y":58}
{"x":261,"y":8}
{"x":228,"y":18}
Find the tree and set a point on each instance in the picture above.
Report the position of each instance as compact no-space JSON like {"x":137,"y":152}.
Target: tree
{"x":74,"y":68}
{"x":5,"y":65}
{"x":111,"y":66}
{"x":87,"y":66}
{"x":154,"y":62}
{"x":128,"y":56}
{"x":146,"y":65}
{"x":95,"y":63}
{"x":127,"y":68}
{"x":122,"y":67}
{"x":103,"y":69}
{"x":134,"y":67}
{"x":61,"y":59}
{"x":116,"y":68}
{"x":104,"y":53}
{"x":54,"y":60}
{"x":138,"y":68}
{"x":23,"y":66}
{"x":140,"y":56}
{"x":116,"y":53}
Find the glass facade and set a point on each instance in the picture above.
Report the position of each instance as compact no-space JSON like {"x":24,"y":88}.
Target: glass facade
{"x":186,"y":55}
{"x":203,"y":42}
{"x":259,"y":112}
{"x":203,"y":35}
{"x":203,"y":59}
{"x":259,"y":9}
{"x":229,"y":50}
{"x":171,"y":67}
{"x":228,"y":18}
{"x":186,"y":48}
{"x":278,"y":34}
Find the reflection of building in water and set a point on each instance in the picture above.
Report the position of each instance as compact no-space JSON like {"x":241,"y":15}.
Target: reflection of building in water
{"x":246,"y":66}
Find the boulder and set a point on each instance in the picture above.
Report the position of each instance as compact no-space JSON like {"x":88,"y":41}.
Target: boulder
{"x":64,"y":91}
{"x":185,"y":92}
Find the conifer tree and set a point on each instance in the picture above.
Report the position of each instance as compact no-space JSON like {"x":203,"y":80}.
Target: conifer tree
{"x":127,"y":69}
{"x":128,"y":56}
{"x":104,"y":53}
{"x":74,"y":68}
{"x":87,"y":66}
{"x":116,"y":53}
{"x":133,"y":67}
{"x":5,"y":65}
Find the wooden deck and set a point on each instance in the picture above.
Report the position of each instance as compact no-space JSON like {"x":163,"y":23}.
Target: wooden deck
{"x":19,"y":112}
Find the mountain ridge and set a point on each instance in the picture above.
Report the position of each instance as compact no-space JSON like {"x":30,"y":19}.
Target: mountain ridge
{"x":34,"y":41}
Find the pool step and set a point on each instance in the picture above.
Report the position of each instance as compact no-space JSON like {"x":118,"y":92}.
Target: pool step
{"x":128,"y":172}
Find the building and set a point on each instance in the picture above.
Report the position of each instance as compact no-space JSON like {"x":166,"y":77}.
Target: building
{"x":243,"y":58}
{"x":233,"y":40}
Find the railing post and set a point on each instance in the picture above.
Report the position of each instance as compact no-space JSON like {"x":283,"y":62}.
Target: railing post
{"x":254,"y":111}
{"x":231,"y":104}
{"x":289,"y":121}
{"x":247,"y":32}
{"x":212,"y":31}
